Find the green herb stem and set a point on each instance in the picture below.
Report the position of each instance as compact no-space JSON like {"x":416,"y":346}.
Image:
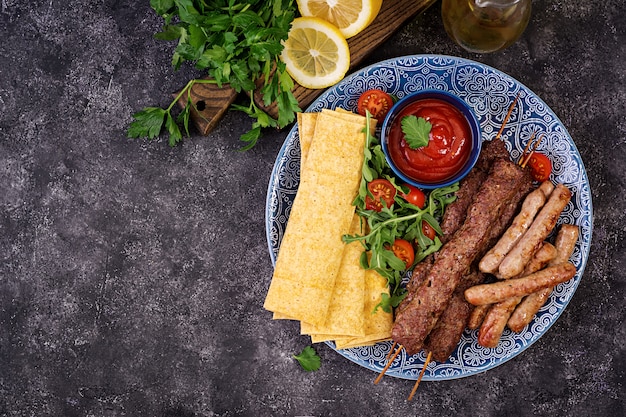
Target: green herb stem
{"x":376,"y":229}
{"x":187,"y":90}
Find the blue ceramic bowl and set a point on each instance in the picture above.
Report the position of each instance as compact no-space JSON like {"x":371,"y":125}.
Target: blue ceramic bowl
{"x":468,"y":113}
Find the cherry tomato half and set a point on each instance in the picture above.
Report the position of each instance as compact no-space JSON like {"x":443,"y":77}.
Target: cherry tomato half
{"x":428,"y":230}
{"x":380,"y":189}
{"x":404,"y":251}
{"x":376,"y":101}
{"x":415,"y":196}
{"x":540,"y":167}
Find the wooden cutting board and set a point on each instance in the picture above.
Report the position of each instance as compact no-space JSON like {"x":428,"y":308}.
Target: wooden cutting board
{"x":213,"y":101}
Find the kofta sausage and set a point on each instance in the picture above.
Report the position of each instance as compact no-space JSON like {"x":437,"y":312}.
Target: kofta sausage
{"x":498,"y":315}
{"x":541,"y":227}
{"x":526,"y":310}
{"x":477,"y":316}
{"x":530,"y":207}
{"x":547,"y":187}
{"x":495,"y":321}
{"x":501,"y":290}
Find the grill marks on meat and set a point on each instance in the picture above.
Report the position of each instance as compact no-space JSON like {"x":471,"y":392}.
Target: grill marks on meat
{"x":419,"y":312}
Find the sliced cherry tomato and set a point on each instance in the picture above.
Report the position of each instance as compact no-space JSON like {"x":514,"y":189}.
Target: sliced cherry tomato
{"x":404,"y":251}
{"x":381,"y":189}
{"x":540,"y":167}
{"x":428,"y":230}
{"x":376,"y":101}
{"x":415,"y":196}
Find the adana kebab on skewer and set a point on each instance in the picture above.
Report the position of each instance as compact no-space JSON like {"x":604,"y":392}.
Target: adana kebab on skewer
{"x":446,"y":334}
{"x":451,"y":324}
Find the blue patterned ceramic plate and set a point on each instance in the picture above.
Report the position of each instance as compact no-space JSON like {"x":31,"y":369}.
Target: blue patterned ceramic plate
{"x":489,"y":92}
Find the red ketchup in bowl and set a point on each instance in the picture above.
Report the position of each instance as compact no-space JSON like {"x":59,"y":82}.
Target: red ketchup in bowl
{"x":449,"y":144}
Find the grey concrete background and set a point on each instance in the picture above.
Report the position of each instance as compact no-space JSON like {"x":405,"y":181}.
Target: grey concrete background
{"x":132,"y":275}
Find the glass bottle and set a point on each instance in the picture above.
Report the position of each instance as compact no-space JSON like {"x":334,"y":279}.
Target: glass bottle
{"x":485,"y":25}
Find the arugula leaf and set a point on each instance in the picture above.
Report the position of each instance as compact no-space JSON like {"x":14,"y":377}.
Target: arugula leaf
{"x":236,"y":43}
{"x":308,"y":359}
{"x":387,"y":303}
{"x":416,"y":131}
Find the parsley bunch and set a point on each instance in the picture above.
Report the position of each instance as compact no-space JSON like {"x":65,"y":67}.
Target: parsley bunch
{"x":236,"y":43}
{"x":400,"y":221}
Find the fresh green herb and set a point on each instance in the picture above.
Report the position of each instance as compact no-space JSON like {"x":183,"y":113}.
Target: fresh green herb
{"x":149,"y":121}
{"x":236,"y":43}
{"x":402,"y":220}
{"x":308,"y":359}
{"x":416,"y":131}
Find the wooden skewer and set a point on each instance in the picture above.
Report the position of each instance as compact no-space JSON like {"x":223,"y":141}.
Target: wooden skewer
{"x":390,"y":350}
{"x":526,"y":148}
{"x":419,"y":378}
{"x":530,"y":154}
{"x":389,"y":362}
{"x":508,"y":114}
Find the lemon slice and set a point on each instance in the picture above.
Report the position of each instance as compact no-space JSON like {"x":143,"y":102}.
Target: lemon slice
{"x":315,"y":53}
{"x":350,"y":16}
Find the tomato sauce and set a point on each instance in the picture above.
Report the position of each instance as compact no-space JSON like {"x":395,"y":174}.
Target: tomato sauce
{"x":448,"y":147}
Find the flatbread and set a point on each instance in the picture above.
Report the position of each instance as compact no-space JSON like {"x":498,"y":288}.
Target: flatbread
{"x":345,"y":314}
{"x":377,"y":325}
{"x":306,"y":130}
{"x":311,"y":250}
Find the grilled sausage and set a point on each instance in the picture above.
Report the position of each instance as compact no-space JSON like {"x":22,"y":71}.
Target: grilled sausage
{"x":495,"y":321}
{"x":546,"y":187}
{"x":526,"y":310}
{"x":501,"y":290}
{"x":477,"y":316}
{"x":565,"y":243}
{"x":496,"y":318}
{"x":531,"y":206}
{"x":543,"y":224}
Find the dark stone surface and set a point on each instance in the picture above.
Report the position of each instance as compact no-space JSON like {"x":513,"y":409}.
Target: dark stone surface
{"x":132,"y":275}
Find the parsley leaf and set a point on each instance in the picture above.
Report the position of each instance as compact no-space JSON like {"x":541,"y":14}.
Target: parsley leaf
{"x":308,"y":359}
{"x":416,"y":131}
{"x":148,"y":122}
{"x":161,"y":6}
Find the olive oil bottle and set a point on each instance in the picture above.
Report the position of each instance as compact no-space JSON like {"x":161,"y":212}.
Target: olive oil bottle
{"x":485,"y":25}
